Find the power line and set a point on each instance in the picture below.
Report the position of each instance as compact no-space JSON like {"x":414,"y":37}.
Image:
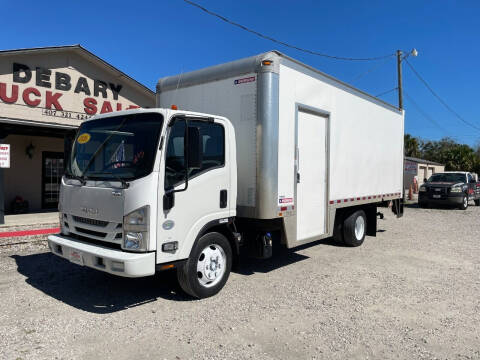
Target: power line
{"x":386,"y":92}
{"x":439,"y":98}
{"x":373,"y":68}
{"x":281,"y":42}
{"x":425,"y":115}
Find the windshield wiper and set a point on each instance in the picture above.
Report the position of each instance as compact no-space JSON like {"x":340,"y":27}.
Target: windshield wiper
{"x":89,"y":162}
{"x":82,"y":179}
{"x":125,"y":184}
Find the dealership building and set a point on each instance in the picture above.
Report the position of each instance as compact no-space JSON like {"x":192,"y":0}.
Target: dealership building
{"x":45,"y":94}
{"x":421,"y":169}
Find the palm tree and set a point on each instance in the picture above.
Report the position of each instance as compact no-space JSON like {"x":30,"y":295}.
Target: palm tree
{"x":411,"y":146}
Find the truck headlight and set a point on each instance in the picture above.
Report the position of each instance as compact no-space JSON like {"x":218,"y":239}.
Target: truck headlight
{"x":138,"y":217}
{"x":135,"y":229}
{"x":422,"y":188}
{"x":456,"y":189}
{"x":135,"y":241}
{"x":62,"y":219}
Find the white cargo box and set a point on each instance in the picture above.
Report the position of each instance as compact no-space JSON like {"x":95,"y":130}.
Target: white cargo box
{"x":306,"y":142}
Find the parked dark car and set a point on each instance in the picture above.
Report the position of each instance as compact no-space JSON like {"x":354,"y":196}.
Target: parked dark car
{"x":454,"y":188}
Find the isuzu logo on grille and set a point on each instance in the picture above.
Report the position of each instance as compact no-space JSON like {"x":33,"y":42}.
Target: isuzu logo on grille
{"x":89,"y":211}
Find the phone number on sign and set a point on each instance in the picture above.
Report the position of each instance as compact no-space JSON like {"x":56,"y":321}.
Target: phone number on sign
{"x":65,"y":114}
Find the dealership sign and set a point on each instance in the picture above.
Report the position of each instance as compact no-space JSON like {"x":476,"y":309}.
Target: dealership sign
{"x":4,"y":155}
{"x":47,"y":88}
{"x":59,"y":94}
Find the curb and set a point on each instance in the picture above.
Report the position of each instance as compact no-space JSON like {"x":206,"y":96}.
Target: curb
{"x":33,"y":232}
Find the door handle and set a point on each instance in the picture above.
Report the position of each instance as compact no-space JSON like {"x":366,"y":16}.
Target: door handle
{"x":223,"y":199}
{"x":297,"y":160}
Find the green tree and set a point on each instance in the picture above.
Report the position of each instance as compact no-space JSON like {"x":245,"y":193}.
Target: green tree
{"x":477,"y":159}
{"x":411,"y":146}
{"x":455,"y":156}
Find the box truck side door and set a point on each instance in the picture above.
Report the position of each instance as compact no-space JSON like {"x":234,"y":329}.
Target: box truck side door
{"x":311,"y":193}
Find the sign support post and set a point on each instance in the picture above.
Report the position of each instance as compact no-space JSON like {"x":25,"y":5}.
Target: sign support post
{"x":2,"y":190}
{"x":2,"y":199}
{"x":4,"y":163}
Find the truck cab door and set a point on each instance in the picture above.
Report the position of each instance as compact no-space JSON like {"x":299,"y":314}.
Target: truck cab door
{"x":205,"y":199}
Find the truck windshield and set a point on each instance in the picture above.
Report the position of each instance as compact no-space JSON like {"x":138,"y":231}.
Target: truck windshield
{"x":450,"y":177}
{"x":120,"y":147}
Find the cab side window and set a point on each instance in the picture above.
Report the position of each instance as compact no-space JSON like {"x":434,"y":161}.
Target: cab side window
{"x":470,"y":178}
{"x":213,"y":139}
{"x":175,"y":158}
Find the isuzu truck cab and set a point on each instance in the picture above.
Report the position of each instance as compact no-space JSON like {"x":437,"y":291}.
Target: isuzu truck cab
{"x":263,"y":150}
{"x":142,"y":187}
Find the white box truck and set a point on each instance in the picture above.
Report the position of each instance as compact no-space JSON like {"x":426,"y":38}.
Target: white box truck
{"x":262,"y":150}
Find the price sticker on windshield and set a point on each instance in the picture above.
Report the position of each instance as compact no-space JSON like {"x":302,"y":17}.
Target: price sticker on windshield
{"x":83,"y":138}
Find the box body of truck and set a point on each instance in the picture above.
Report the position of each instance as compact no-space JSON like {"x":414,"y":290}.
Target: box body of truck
{"x":307,"y":144}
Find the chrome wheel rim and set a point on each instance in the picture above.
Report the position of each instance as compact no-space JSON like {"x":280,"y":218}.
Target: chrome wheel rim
{"x":211,"y":265}
{"x":465,"y":201}
{"x":359,"y":227}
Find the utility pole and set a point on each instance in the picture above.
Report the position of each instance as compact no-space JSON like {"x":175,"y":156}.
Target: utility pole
{"x":399,"y":73}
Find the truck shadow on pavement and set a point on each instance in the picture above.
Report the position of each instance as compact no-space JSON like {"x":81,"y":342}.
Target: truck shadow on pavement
{"x":281,"y":257}
{"x":98,"y":292}
{"x":94,"y":291}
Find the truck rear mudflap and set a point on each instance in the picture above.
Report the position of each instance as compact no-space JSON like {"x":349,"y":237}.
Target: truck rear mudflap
{"x":113,"y":261}
{"x":397,"y":207}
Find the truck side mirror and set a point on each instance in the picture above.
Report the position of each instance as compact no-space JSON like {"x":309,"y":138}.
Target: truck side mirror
{"x":425,"y":180}
{"x":168,"y":200}
{"x":194,"y":148}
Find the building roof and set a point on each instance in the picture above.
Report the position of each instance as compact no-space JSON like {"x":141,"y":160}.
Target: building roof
{"x":423,"y":161}
{"x":78,"y":49}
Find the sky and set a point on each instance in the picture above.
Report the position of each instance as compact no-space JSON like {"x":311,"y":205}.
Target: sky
{"x":152,"y":39}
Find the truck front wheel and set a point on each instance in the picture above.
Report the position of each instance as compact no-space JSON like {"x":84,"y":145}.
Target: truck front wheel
{"x":355,"y":228}
{"x":207,"y":270}
{"x":464,"y":204}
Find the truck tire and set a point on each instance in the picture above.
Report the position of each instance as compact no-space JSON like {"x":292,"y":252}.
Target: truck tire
{"x":338,"y":232}
{"x":207,"y":269}
{"x":355,"y":228}
{"x":464,"y":204}
{"x":477,"y":202}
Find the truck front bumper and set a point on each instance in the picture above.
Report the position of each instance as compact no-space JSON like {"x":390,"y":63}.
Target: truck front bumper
{"x":113,"y":261}
{"x":453,"y":200}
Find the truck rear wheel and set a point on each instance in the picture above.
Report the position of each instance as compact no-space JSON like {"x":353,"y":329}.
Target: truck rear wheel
{"x":355,"y":228}
{"x":208,"y":267}
{"x":477,"y":202}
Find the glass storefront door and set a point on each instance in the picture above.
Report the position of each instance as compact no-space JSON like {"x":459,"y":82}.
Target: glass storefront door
{"x":52,"y":172}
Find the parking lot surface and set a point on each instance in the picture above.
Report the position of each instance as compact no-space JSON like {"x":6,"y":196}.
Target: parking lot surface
{"x":412,"y":292}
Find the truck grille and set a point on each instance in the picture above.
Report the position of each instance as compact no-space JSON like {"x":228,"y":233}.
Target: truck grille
{"x":90,"y":232}
{"x":437,"y":192}
{"x":93,"y":229}
{"x":434,"y":190}
{"x":93,"y":222}
{"x":96,"y":242}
